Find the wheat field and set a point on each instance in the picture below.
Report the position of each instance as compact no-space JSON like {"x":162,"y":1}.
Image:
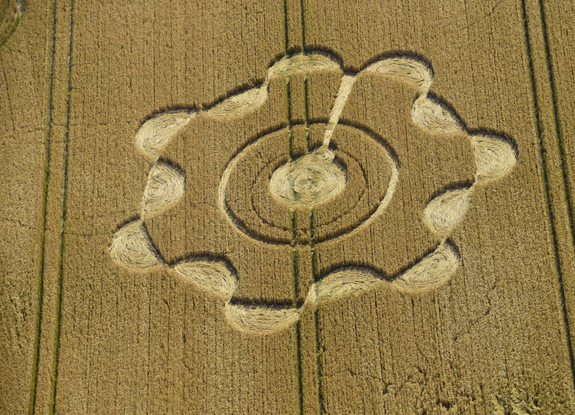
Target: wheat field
{"x":287,"y":207}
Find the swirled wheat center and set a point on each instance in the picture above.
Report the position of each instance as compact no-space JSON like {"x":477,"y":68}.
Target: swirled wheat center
{"x":309,"y":180}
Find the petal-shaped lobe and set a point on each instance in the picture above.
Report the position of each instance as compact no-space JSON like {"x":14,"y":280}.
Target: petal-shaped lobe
{"x":260,"y":319}
{"x":409,"y":69}
{"x":302,"y":63}
{"x":347,"y":281}
{"x":435,"y":116}
{"x":494,"y":157}
{"x":165,"y":186}
{"x":155,"y":134}
{"x":215,"y":276}
{"x":434,"y":270}
{"x":240,"y":104}
{"x":132,"y":247}
{"x":445,"y":211}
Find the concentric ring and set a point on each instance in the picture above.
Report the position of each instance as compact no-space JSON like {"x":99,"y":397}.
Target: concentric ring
{"x":245,"y":198}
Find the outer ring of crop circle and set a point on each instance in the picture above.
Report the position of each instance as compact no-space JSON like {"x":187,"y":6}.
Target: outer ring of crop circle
{"x":384,"y":202}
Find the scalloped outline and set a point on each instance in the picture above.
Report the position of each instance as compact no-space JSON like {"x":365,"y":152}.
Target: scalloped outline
{"x":428,"y":112}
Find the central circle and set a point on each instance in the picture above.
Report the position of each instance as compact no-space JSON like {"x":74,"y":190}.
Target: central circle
{"x":309,"y":180}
